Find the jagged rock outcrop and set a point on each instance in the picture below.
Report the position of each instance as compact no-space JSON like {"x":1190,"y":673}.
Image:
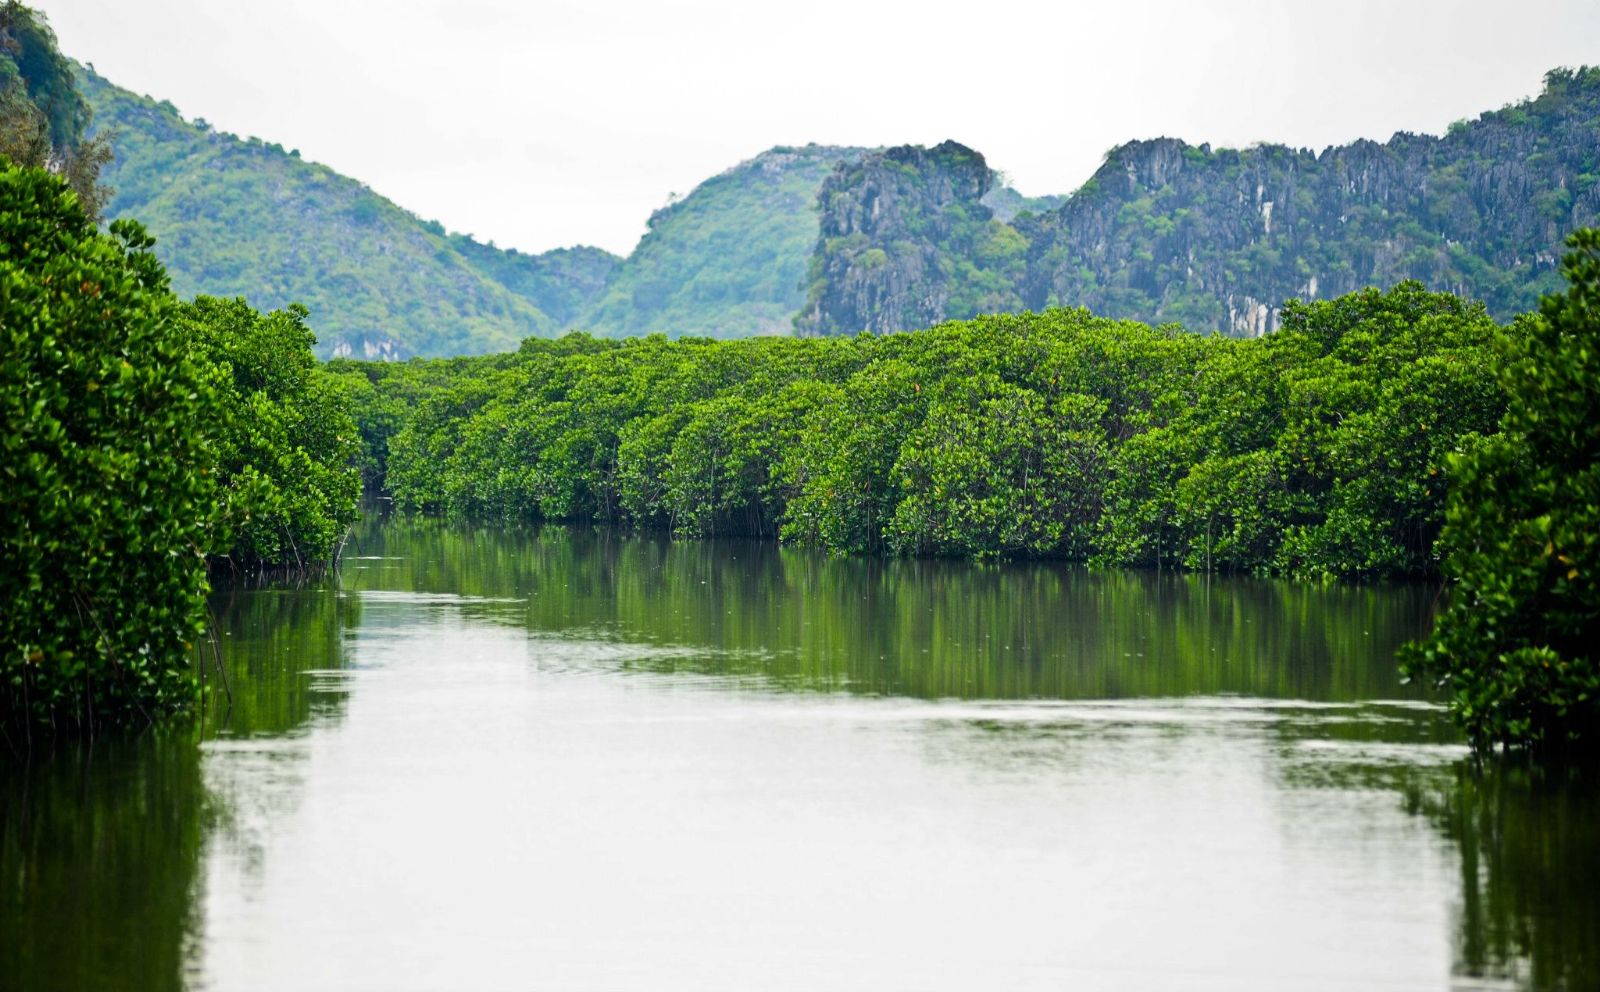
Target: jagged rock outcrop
{"x":900,"y":231}
{"x":1218,"y":239}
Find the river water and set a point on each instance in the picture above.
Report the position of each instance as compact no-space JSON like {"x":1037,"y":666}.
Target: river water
{"x":569,"y":759}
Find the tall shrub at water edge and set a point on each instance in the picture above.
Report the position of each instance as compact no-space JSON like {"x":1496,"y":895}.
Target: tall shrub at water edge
{"x":1518,"y":650}
{"x":106,"y":487}
{"x":287,"y":449}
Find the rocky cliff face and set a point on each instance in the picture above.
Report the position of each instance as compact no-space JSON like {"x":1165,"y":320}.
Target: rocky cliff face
{"x":1218,"y":239}
{"x":897,"y":229}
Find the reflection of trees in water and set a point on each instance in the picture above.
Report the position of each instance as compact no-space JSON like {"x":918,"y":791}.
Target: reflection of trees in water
{"x":100,"y":847}
{"x":1530,"y":871}
{"x":279,"y":646}
{"x":99,"y":853}
{"x":272,"y":640}
{"x":1528,"y":905}
{"x":101,"y":858}
{"x":917,"y":627}
{"x":1528,"y":843}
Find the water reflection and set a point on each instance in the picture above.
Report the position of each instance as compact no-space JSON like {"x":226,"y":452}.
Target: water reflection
{"x":101,"y":879}
{"x":929,"y":629}
{"x":573,"y":758}
{"x":275,"y":643}
{"x":1530,"y":871}
{"x":99,"y":859}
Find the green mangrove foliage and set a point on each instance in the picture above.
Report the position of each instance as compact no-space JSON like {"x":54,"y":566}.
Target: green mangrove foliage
{"x":1517,"y":648}
{"x":1319,"y":450}
{"x":285,"y":444}
{"x":108,"y":473}
{"x":142,"y":436}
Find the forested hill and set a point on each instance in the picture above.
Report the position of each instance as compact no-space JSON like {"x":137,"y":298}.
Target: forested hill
{"x":729,"y":259}
{"x":1217,"y":239}
{"x":833,"y":240}
{"x":237,"y":217}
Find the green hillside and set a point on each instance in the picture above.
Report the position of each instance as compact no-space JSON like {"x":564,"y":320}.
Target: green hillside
{"x":235,"y":216}
{"x":239,"y":217}
{"x":834,"y":240}
{"x":729,"y":259}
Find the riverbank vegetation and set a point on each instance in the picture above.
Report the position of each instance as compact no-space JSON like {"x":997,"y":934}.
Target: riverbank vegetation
{"x":156,"y":436}
{"x":109,"y":480}
{"x":1516,"y":650}
{"x":146,"y":440}
{"x":1317,"y":451}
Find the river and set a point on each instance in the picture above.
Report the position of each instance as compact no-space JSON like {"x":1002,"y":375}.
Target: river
{"x":569,"y":759}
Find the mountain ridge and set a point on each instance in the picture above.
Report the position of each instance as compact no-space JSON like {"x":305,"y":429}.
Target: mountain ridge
{"x":240,"y":217}
{"x":1218,"y":239}
{"x":1163,"y":231}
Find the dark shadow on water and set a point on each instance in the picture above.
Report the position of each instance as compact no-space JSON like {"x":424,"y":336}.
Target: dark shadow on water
{"x":101,"y":846}
{"x":272,"y":642}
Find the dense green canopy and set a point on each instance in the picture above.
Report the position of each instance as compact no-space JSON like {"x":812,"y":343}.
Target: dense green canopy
{"x":1316,"y":451}
{"x":141,"y":436}
{"x":109,"y":483}
{"x":1517,"y":649}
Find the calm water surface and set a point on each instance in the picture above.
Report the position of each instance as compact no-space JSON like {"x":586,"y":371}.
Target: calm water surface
{"x":562,"y":759}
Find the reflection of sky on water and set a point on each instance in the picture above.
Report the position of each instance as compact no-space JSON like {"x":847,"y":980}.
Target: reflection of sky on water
{"x":560,"y":760}
{"x":715,"y":813}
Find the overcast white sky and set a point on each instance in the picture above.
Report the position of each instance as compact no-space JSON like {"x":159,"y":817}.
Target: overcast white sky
{"x":541,"y":124}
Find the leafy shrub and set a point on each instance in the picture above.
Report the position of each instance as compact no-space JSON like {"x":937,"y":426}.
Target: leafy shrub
{"x":1517,"y":648}
{"x":287,"y":449}
{"x":108,"y":474}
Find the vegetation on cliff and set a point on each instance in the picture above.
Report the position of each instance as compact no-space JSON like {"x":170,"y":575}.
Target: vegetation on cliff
{"x":727,"y":260}
{"x":1218,"y":239}
{"x":906,"y":241}
{"x":44,"y":119}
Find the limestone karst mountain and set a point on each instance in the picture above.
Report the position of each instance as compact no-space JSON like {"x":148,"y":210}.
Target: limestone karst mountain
{"x":833,"y":240}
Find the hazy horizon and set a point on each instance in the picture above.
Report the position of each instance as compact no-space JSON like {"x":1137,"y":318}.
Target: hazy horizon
{"x":554,"y":124}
